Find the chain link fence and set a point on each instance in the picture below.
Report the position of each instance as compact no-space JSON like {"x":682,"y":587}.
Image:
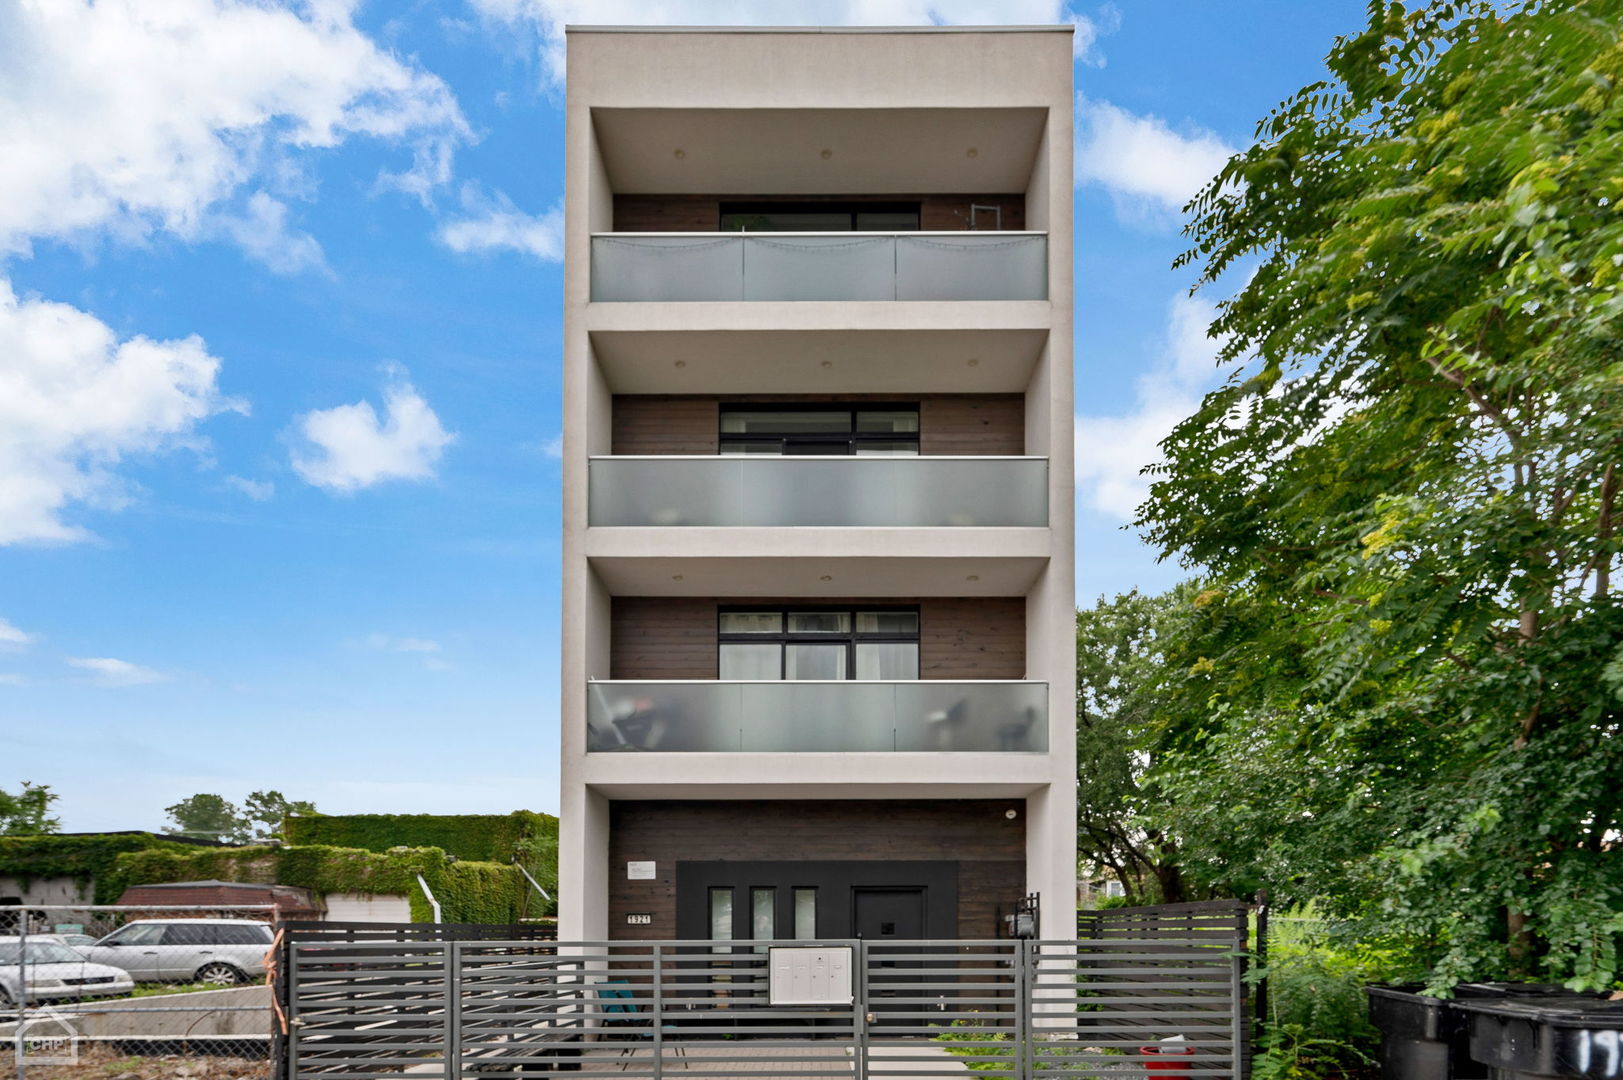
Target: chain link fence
{"x":140,"y":993}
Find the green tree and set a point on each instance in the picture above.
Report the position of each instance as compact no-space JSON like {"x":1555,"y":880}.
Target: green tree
{"x":263,"y":813}
{"x":1121,"y":653}
{"x":1409,"y":484}
{"x":207,"y":817}
{"x":28,"y":813}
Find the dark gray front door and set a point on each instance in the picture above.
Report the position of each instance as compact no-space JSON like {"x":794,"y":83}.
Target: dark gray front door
{"x":896,"y":914}
{"x":884,"y":918}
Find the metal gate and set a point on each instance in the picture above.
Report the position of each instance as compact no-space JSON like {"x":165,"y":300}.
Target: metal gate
{"x":525,"y":1008}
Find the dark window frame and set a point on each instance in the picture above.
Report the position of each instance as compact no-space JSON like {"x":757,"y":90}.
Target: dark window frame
{"x":851,"y":438}
{"x":850,"y":208}
{"x":850,"y":638}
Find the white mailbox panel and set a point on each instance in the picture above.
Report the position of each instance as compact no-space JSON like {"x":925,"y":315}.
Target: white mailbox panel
{"x":803,"y":975}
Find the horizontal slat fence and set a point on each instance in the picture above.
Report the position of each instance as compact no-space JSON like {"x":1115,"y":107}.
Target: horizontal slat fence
{"x":371,"y":1004}
{"x":1170,"y":972}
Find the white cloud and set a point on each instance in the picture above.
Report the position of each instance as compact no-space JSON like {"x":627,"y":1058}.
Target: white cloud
{"x":426,"y":650}
{"x":1148,"y":168}
{"x":106,"y":671}
{"x":75,"y":401}
{"x":347,"y":447}
{"x":11,"y":678}
{"x":130,"y":117}
{"x":554,"y":447}
{"x":549,"y":17}
{"x":1111,"y":451}
{"x":257,"y":490}
{"x":493,"y":223}
{"x":261,"y":231}
{"x":385,"y":643}
{"x":13,"y":637}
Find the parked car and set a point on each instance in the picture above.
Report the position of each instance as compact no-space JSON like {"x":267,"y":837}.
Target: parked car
{"x":222,"y":951}
{"x":55,"y":971}
{"x":71,"y":940}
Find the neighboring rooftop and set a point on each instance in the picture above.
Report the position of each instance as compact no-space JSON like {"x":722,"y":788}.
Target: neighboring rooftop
{"x":1055,"y":28}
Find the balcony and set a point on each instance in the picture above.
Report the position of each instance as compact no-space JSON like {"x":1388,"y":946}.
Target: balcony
{"x":770,"y":491}
{"x":819,"y":266}
{"x":807,"y":717}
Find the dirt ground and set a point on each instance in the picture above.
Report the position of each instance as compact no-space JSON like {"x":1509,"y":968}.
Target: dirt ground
{"x":99,"y":1063}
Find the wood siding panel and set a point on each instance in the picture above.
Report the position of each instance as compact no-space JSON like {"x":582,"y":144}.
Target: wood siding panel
{"x":972,"y":638}
{"x":676,"y":637}
{"x":965,"y":424}
{"x":702,"y":213}
{"x":662,"y":637}
{"x":993,"y":425}
{"x":665,"y":425}
{"x":988,"y":845}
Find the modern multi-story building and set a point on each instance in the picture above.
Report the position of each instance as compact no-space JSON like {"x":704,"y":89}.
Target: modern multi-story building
{"x":818,"y":611}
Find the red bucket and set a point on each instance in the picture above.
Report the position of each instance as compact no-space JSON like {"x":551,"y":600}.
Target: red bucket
{"x":1170,"y":1065}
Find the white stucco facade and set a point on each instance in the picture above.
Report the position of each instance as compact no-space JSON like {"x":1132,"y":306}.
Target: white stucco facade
{"x":786,"y":112}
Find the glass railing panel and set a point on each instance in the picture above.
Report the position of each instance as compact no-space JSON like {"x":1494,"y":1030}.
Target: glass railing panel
{"x":809,"y":717}
{"x":821,"y":266}
{"x":664,"y":716}
{"x":847,"y":266}
{"x":702,"y":267}
{"x":985,"y":266}
{"x":765,"y":491}
{"x":1007,"y":717}
{"x":965,"y":492}
{"x":668,"y":491}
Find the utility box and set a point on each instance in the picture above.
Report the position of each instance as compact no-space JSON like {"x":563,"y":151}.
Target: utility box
{"x":809,"y":975}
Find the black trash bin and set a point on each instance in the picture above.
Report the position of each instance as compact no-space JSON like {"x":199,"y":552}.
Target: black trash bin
{"x":1424,"y":1038}
{"x":1535,"y":1038}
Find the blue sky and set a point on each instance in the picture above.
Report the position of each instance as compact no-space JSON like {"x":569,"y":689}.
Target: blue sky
{"x":279,"y":370}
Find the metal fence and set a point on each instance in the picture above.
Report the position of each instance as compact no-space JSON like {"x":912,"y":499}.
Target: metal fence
{"x":90,"y":988}
{"x":1181,"y":966}
{"x":433,"y":1005}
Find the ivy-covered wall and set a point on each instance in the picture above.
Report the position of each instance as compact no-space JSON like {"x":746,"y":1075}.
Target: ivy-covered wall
{"x":86,"y":859}
{"x":479,"y":837}
{"x":468,"y":891}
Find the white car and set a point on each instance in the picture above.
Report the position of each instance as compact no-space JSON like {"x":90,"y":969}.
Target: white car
{"x":55,"y":972}
{"x":220,"y":951}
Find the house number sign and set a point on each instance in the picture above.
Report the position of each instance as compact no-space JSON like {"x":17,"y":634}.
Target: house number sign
{"x":639,"y":918}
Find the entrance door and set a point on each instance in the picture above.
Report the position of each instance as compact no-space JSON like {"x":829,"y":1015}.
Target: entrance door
{"x":897,"y":914}
{"x":885,"y":919}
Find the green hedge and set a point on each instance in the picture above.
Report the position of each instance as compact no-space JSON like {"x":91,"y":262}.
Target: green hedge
{"x":87,"y":859}
{"x":477,"y":837}
{"x":468,"y":891}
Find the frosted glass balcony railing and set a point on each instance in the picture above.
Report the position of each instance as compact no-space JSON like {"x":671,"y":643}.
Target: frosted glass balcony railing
{"x":766,"y":490}
{"x":820,"y":266}
{"x":803,"y":717}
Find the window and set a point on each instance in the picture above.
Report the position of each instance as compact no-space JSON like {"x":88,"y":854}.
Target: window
{"x":39,"y":952}
{"x":192,"y":934}
{"x":808,"y":643}
{"x":242,"y":934}
{"x":885,"y":430}
{"x":136,"y":934}
{"x":820,"y":217}
{"x":763,"y":914}
{"x":721,"y":914}
{"x":805,"y":914}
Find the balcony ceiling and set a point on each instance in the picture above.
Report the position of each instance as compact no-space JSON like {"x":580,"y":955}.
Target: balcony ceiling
{"x":814,"y":362}
{"x":781,"y":151}
{"x":742,"y":575}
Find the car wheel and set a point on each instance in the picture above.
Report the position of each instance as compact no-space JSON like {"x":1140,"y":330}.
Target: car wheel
{"x":5,"y":998}
{"x":220,"y":975}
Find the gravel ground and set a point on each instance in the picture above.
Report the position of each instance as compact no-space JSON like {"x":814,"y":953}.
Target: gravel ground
{"x":103,"y":1064}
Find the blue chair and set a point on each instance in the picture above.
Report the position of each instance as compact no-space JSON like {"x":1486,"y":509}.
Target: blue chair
{"x":621,"y":1009}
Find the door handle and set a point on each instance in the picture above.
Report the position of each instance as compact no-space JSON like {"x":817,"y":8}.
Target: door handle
{"x":154,"y":952}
